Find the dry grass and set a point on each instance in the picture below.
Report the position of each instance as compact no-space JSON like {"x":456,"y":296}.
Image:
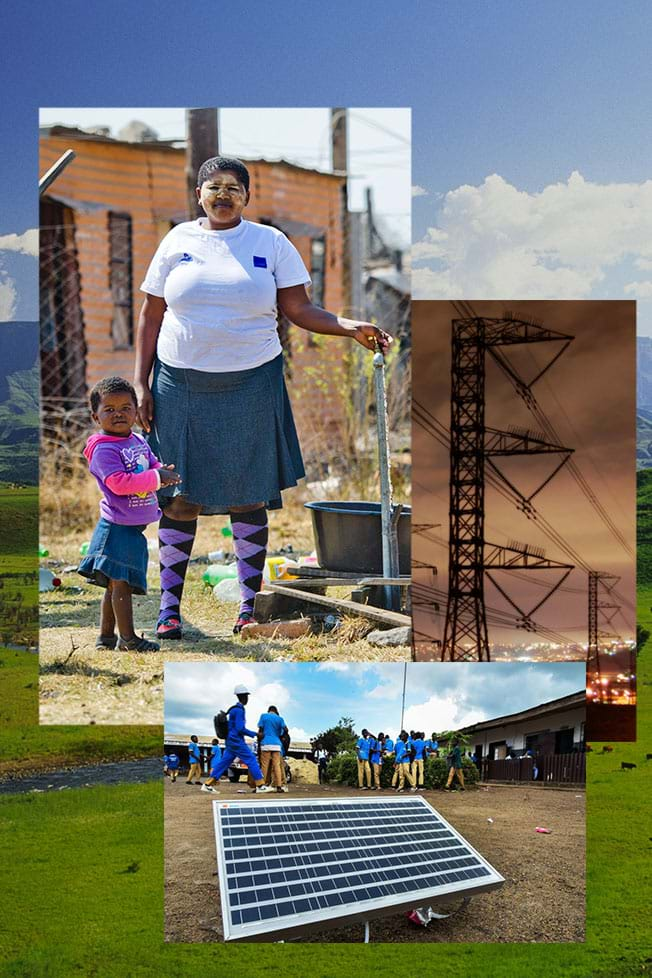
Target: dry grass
{"x":80,"y":684}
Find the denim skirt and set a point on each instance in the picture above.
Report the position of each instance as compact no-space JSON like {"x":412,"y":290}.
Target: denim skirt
{"x":231,"y":436}
{"x":116,"y":553}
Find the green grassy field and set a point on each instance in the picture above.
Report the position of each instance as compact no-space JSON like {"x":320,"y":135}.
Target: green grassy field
{"x":100,"y":851}
{"x":19,"y":678}
{"x":18,"y":542}
{"x":36,"y":748}
{"x":19,"y":522}
{"x":83,"y":889}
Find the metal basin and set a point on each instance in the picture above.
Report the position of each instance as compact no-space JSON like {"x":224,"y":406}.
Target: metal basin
{"x":348,"y":536}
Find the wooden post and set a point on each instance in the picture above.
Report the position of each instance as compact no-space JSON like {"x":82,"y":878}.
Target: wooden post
{"x":339,"y":146}
{"x":201,"y":143}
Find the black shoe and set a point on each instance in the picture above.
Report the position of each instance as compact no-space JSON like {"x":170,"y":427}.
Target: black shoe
{"x":106,"y":641}
{"x":136,"y":644}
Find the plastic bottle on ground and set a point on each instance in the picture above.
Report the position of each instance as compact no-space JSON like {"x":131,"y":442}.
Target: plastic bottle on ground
{"x":219,"y":572}
{"x":227,"y":590}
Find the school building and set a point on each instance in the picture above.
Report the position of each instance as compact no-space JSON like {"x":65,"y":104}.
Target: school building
{"x":553,"y":733}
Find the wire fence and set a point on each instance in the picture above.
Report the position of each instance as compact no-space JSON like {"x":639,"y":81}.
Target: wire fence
{"x":86,"y":313}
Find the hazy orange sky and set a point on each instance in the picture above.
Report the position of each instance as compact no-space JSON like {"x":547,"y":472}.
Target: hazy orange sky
{"x":589,"y":396}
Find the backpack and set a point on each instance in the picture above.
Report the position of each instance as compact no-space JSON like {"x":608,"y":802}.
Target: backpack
{"x":221,"y":723}
{"x":285,"y":740}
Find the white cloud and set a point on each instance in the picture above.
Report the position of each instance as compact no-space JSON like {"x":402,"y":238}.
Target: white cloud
{"x":334,"y":666}
{"x":26,"y":243}
{"x":495,"y":241}
{"x":441,"y":713}
{"x":195,"y":692}
{"x":382,"y":691}
{"x":639,"y":290}
{"x":298,"y":734}
{"x":8,"y":297}
{"x":418,"y":191}
{"x":432,"y":246}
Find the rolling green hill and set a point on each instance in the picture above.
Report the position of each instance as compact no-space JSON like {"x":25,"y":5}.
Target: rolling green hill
{"x":19,"y":403}
{"x":644,"y":527}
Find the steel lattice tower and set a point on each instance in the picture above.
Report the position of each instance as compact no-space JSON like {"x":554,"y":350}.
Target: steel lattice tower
{"x":466,"y":619}
{"x":471,"y":443}
{"x":598,"y":608}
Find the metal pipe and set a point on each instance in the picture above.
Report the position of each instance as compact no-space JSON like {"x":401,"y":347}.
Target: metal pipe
{"x":388,"y":528}
{"x":55,"y":170}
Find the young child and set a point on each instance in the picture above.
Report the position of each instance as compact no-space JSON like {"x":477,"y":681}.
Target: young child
{"x":128,"y":475}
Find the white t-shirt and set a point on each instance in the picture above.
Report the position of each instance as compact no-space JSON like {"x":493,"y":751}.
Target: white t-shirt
{"x":220,"y":289}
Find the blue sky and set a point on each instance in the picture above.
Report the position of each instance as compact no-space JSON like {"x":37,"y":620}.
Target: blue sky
{"x":530,"y":93}
{"x":313,"y":696}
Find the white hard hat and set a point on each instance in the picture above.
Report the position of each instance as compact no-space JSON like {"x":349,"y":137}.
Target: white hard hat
{"x":240,"y":689}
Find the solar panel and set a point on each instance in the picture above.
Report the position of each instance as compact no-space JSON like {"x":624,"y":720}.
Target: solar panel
{"x":285,"y":866}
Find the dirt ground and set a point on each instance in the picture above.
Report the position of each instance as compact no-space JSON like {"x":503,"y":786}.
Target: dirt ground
{"x":542,"y":898}
{"x":81,"y":685}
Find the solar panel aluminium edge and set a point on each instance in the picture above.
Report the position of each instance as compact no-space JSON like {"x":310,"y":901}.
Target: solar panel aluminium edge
{"x":314,"y":920}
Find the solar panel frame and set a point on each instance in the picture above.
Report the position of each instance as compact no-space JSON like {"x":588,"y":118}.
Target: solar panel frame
{"x":414,"y":808}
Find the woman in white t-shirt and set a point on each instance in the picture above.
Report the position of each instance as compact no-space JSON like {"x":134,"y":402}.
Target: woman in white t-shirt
{"x":218,"y":407}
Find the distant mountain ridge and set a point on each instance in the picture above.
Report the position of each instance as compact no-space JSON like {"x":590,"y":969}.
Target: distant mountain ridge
{"x":19,"y":402}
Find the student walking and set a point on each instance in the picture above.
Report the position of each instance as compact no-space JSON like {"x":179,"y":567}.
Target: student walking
{"x":194,"y":758}
{"x":236,"y":746}
{"x":173,"y":766}
{"x":455,"y":766}
{"x":215,"y":758}
{"x":364,"y":771}
{"x":322,"y":764}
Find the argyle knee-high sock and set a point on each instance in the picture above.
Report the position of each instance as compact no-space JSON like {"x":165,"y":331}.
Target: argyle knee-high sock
{"x":250,"y":533}
{"x":175,"y":540}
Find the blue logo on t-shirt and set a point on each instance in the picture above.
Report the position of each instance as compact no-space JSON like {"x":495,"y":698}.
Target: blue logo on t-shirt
{"x":260,"y":262}
{"x":186,"y":257}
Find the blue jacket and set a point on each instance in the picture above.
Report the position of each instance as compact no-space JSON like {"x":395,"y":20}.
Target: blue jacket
{"x":194,"y":753}
{"x":363,"y":748}
{"x":237,"y":727}
{"x":173,"y":762}
{"x":402,"y":752}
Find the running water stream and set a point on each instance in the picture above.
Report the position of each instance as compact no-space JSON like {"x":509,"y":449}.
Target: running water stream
{"x":118,"y":772}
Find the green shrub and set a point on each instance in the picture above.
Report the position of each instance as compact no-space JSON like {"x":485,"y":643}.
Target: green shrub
{"x":435,"y":772}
